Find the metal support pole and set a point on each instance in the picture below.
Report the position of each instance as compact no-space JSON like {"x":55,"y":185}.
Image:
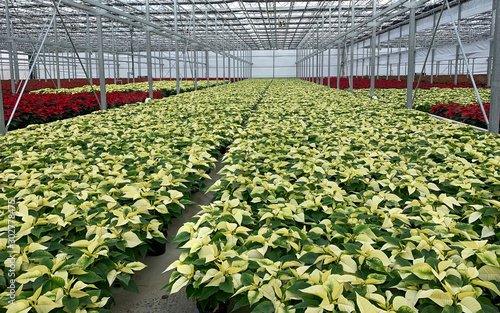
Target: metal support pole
{"x":251,"y":63}
{"x":195,"y":69}
{"x":207,"y":65}
{"x":372,"y":60}
{"x":207,"y":68}
{"x":10,"y":47}
{"x":223,"y":55}
{"x":363,"y":62}
{"x":169,"y":65}
{"x":399,"y":52}
{"x":411,"y":57}
{"x":2,"y":115}
{"x":351,"y":65}
{"x":274,"y":61}
{"x":177,"y":65}
{"x":492,"y":44}
{"x":69,"y":66}
{"x":495,"y":86}
{"x":388,"y":55}
{"x":317,"y":54}
{"x":149,"y":59}
{"x":114,"y":50}
{"x":457,"y":49}
{"x":229,"y":67}
{"x":58,"y":70}
{"x":338,"y":66}
{"x":433,"y":52}
{"x":139,"y":63}
{"x":100,"y":54}
{"x":160,"y":54}
{"x":132,"y":53}
{"x":464,"y":56}
{"x":216,"y":53}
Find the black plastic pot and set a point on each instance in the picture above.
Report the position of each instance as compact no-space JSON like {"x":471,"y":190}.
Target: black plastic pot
{"x":156,"y":248}
{"x":221,"y":308}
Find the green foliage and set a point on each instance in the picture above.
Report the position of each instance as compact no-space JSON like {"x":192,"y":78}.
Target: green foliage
{"x":91,"y":192}
{"x":334,"y":202}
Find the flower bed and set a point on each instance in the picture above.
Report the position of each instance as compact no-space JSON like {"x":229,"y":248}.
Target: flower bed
{"x":459,"y":104}
{"x":333,"y":203}
{"x":44,"y":108}
{"x":91,"y":193}
{"x":47,"y":105}
{"x":364,"y":83}
{"x":469,"y":114}
{"x":165,"y":87}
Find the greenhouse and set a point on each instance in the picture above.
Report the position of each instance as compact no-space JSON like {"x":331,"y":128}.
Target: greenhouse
{"x":245,"y":156}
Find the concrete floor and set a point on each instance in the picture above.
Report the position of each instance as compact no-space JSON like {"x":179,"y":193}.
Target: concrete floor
{"x":151,"y":298}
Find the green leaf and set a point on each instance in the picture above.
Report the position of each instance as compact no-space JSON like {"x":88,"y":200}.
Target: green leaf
{"x":405,"y":309}
{"x":452,"y":309}
{"x":489,"y":272}
{"x":182,"y":237}
{"x":254,"y":296}
{"x":90,"y":278}
{"x":70,"y":303}
{"x":375,"y":264}
{"x":422,"y":271}
{"x":264,"y":307}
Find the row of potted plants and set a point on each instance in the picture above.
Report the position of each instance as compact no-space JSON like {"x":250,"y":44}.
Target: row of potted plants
{"x":469,"y":114}
{"x":364,"y":83}
{"x":91,"y":194}
{"x":48,"y":104}
{"x":165,"y":87}
{"x":459,"y":104}
{"x":49,"y":107}
{"x":334,"y":203}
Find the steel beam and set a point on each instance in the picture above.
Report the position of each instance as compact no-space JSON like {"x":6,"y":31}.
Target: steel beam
{"x":133,"y":20}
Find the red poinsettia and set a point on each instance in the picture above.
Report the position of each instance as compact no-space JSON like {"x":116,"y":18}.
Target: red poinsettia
{"x":469,"y":114}
{"x":43,"y":108}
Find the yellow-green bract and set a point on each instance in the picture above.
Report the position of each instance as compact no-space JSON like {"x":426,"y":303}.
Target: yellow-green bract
{"x":331,"y":202}
{"x":91,"y":192}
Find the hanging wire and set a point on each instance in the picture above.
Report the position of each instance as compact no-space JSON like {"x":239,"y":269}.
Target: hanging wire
{"x":31,"y":68}
{"x":76,"y":52}
{"x":429,"y":50}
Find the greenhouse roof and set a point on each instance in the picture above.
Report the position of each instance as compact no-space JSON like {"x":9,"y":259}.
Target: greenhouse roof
{"x":229,"y":25}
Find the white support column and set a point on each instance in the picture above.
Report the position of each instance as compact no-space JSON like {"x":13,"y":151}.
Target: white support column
{"x":10,"y":47}
{"x":216,"y":53}
{"x":195,"y":69}
{"x":457,"y":49}
{"x":115,"y":74}
{"x":411,"y":56}
{"x":177,"y":64}
{"x":388,"y":55}
{"x":58,"y":70}
{"x":495,"y":85}
{"x":399,"y":52}
{"x":149,"y":58}
{"x":372,"y":60}
{"x":100,"y":54}
{"x":492,"y":44}
{"x":2,"y":115}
